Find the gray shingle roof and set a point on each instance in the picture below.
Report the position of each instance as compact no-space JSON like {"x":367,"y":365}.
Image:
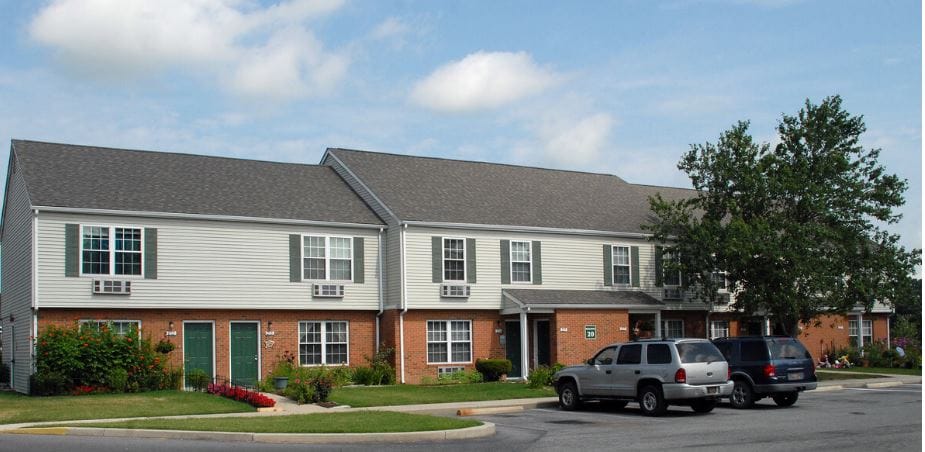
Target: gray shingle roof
{"x":64,"y":175}
{"x":456,"y":191}
{"x":547,"y":297}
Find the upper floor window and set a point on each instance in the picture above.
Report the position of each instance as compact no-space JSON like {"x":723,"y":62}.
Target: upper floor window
{"x":327,"y":258}
{"x":108,"y":250}
{"x":621,"y":265}
{"x":720,"y":280}
{"x":454,"y":259}
{"x":672,"y":275}
{"x":521,"y":262}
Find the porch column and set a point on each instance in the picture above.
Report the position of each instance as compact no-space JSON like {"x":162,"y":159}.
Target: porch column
{"x":524,"y":354}
{"x":767,"y":326}
{"x":861,"y":332}
{"x":658,"y":324}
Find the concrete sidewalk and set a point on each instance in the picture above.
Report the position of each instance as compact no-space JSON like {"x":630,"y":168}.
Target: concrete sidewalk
{"x":288,"y":407}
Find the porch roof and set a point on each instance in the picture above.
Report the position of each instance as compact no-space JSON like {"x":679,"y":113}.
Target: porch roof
{"x":587,"y":299}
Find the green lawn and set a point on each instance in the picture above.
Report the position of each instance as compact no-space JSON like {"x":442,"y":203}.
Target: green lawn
{"x":352,"y":422}
{"x":16,"y":408}
{"x":879,"y":370}
{"x":412,"y":394}
{"x":829,"y":376}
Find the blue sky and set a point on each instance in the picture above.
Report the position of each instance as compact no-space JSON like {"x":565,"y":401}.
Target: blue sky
{"x":622,"y":87}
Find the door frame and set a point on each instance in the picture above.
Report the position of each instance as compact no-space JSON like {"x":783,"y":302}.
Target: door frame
{"x":536,"y":341}
{"x":259,"y":354}
{"x":183,"y":358}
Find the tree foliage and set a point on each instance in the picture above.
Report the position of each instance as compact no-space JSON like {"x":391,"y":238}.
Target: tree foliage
{"x":797,"y":226}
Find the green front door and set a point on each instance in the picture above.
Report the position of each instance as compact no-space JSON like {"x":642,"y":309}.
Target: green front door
{"x":512,"y":347}
{"x":197,"y":347}
{"x":244,"y":353}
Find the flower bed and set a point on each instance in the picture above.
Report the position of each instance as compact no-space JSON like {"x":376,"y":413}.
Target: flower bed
{"x":241,"y":394}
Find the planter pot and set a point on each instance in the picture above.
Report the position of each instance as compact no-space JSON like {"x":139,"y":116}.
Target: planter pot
{"x":280,"y":383}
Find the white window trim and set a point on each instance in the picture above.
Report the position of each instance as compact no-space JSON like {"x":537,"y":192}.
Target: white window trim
{"x":725,"y":288}
{"x":327,"y":257}
{"x":666,"y":271}
{"x":713,"y":330}
{"x":665,"y":326}
{"x":859,"y":329}
{"x":98,"y":321}
{"x":324,"y":343}
{"x":512,"y":261}
{"x":449,"y":342}
{"x":465,"y":259}
{"x":613,"y":263}
{"x":112,"y":251}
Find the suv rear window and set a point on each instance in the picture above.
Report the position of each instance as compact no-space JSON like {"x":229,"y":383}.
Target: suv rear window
{"x":787,"y":348}
{"x":754,"y":351}
{"x":658,"y":354}
{"x":699,"y":352}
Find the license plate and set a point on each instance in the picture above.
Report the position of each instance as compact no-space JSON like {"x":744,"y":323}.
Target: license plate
{"x":795,"y":376}
{"x":712,"y":389}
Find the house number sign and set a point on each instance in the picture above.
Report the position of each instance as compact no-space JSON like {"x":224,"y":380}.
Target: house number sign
{"x":590,"y":332}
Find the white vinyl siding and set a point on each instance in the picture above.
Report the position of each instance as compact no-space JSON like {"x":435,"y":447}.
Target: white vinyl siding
{"x":206,"y":265}
{"x":323,"y":342}
{"x":449,"y":341}
{"x":521,"y":262}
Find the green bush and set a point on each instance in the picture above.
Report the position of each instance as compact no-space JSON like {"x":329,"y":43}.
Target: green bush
{"x":173,"y":379}
{"x":492,"y":369}
{"x":460,"y":376}
{"x":197,"y":379}
{"x":47,"y":383}
{"x":302,"y":391}
{"x":378,"y":372}
{"x":542,"y":375}
{"x":118,"y":379}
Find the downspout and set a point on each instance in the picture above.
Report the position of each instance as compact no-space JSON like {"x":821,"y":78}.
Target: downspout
{"x":524,"y":353}
{"x":35,"y":286}
{"x":379,"y":273}
{"x":404,"y":302}
{"x":861,"y":332}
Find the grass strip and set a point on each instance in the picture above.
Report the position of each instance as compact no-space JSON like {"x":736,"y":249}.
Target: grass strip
{"x":349,"y":422}
{"x":16,"y":408}
{"x":878,"y":370}
{"x":830,"y":376}
{"x":412,"y":394}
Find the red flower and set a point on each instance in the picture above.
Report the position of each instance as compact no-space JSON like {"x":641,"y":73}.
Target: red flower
{"x":86,"y":345}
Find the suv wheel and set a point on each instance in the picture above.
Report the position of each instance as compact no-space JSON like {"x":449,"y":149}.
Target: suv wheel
{"x":786,"y":399}
{"x":652,"y":402}
{"x":742,"y":395}
{"x":703,"y":406}
{"x":568,"y":396}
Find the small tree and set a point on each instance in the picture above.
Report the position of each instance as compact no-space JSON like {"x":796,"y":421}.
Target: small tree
{"x":795,"y":226}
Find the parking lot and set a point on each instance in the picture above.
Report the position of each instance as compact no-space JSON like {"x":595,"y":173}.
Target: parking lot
{"x":849,"y":419}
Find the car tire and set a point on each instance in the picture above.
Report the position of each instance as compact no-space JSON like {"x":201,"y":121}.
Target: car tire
{"x":742,"y":395}
{"x":569,"y":399}
{"x":652,"y":401}
{"x":703,"y":406}
{"x":786,"y":399}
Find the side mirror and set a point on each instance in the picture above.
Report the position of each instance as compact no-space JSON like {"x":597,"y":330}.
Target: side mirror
{"x":590,"y":361}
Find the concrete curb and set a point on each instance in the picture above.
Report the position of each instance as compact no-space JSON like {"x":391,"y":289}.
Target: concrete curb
{"x":480,"y":431}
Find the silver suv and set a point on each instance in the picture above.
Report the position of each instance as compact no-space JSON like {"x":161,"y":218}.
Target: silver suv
{"x":653,"y":373}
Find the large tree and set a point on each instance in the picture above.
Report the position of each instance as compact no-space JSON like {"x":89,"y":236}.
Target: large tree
{"x":798,"y":227}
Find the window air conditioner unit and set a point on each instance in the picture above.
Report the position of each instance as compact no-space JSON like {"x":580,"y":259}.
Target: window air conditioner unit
{"x":328,"y":290}
{"x":112,"y":287}
{"x":454,"y":290}
{"x":672,"y":293}
{"x":723,"y":298}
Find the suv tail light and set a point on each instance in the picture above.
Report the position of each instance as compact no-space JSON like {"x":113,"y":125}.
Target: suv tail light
{"x":769,"y":371}
{"x":728,"y":374}
{"x":680,"y":376}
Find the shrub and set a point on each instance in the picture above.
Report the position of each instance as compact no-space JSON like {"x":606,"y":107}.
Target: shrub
{"x":118,"y":379}
{"x":321,"y":386}
{"x":542,"y":375}
{"x":460,"y":376}
{"x":47,"y":383}
{"x":379,"y":371}
{"x":4,"y":373}
{"x":492,"y":369}
{"x":302,"y":391}
{"x":173,"y":379}
{"x":197,"y":379}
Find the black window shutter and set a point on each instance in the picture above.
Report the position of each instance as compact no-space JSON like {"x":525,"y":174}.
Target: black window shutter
{"x":658,"y":267}
{"x":505,"y":262}
{"x":295,"y":258}
{"x":537,"y":263}
{"x":608,"y":265}
{"x":150,"y":253}
{"x":71,"y":250}
{"x":470,"y":261}
{"x":634,"y":262}
{"x":436,"y":254}
{"x":358,"y":260}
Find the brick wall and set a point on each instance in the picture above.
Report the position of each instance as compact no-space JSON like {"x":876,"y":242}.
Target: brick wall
{"x":570,"y":347}
{"x":154,"y":324}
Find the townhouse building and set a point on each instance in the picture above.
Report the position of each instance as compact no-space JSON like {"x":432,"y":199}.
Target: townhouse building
{"x":446,"y":261}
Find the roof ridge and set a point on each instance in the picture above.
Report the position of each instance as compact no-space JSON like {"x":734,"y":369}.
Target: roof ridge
{"x":512,"y":165}
{"x":661,"y":186}
{"x":148,"y":151}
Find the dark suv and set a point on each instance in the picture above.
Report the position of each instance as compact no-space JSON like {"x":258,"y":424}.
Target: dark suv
{"x":767,"y":366}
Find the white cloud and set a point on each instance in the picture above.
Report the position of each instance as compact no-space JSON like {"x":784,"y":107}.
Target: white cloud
{"x":124,"y":38}
{"x":390,"y":28}
{"x":576,"y":143}
{"x":482,"y":80}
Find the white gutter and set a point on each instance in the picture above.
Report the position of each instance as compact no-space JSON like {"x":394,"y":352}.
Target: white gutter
{"x":509,"y":228}
{"x":404,"y":301}
{"x":35,"y":287}
{"x":379,"y":276}
{"x":197,"y":216}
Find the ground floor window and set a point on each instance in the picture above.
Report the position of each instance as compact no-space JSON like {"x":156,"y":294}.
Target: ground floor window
{"x":719,"y":328}
{"x":867,"y":331}
{"x":118,"y":327}
{"x":323,"y":343}
{"x":672,"y":328}
{"x":449,"y":341}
